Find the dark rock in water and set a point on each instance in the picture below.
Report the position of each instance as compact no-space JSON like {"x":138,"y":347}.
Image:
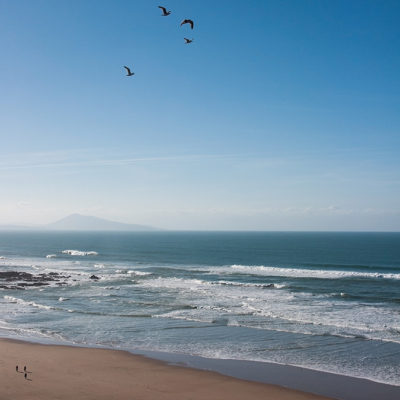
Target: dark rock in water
{"x":94,"y":277}
{"x":15,"y":275}
{"x":11,"y":287}
{"x":21,"y":280}
{"x":32,"y":284}
{"x":25,"y":276}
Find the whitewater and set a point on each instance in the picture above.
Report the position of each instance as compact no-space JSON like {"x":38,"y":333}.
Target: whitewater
{"x":323,"y":301}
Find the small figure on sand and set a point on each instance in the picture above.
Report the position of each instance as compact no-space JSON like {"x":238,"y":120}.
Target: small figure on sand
{"x":16,"y":368}
{"x":25,"y":368}
{"x":25,"y":375}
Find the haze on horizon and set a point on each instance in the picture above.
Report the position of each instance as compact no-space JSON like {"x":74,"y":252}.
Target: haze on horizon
{"x":281,"y":115}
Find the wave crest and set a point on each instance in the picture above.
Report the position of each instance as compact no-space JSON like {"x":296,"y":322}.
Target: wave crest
{"x":80,"y":253}
{"x":262,"y":270}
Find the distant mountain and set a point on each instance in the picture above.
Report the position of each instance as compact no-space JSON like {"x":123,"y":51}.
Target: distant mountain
{"x":77,"y":222}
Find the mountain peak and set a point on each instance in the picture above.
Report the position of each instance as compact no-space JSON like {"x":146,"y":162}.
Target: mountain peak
{"x":78,"y":222}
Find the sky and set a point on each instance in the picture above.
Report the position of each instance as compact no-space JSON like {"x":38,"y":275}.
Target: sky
{"x":281,"y":115}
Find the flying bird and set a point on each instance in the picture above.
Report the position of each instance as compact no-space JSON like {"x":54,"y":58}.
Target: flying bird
{"x":187,"y":41}
{"x":165,"y":12}
{"x":188,"y":21}
{"x":128,"y":71}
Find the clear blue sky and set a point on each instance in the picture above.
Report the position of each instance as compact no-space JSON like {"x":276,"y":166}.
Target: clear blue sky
{"x":281,"y":115}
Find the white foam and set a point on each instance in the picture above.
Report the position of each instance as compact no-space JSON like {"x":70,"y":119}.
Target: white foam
{"x":244,"y":284}
{"x":198,"y":284}
{"x":279,"y":286}
{"x":178,"y":314}
{"x":281,"y":310}
{"x":139,"y":273}
{"x":177,"y":283}
{"x":297,"y":272}
{"x":51,"y":256}
{"x":80,"y":253}
{"x":123,"y":274}
{"x":11,"y":331}
{"x":12,"y":299}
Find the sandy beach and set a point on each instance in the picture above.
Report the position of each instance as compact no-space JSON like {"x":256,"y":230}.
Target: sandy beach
{"x":63,"y":372}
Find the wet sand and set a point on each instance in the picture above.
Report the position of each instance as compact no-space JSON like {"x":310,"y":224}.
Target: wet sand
{"x":306,"y":380}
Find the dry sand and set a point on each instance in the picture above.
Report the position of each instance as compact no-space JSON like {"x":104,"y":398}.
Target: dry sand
{"x":63,"y":372}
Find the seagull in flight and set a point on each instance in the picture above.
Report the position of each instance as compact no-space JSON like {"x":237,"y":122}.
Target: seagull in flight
{"x":128,"y":71}
{"x":188,"y":21}
{"x":187,"y":41}
{"x":165,"y":12}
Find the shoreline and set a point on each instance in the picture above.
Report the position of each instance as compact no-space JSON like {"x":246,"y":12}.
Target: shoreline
{"x":341,"y":387}
{"x":293,"y":381}
{"x":66,"y":372}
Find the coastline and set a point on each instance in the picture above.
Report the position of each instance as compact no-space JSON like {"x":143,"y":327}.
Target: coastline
{"x":65,"y":372}
{"x":341,"y":387}
{"x":194,"y":294}
{"x":91,"y":372}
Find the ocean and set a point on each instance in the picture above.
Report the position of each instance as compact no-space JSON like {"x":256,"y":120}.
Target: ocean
{"x":323,"y":301}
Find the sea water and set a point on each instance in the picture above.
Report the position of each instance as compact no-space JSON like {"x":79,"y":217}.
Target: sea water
{"x":323,"y":301}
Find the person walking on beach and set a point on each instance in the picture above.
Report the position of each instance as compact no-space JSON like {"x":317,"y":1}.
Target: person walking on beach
{"x":25,"y":368}
{"x":25,"y":375}
{"x":16,"y":368}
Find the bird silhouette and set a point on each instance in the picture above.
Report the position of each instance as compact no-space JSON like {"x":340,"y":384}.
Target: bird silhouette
{"x":129,"y":73}
{"x":165,"y":12}
{"x":187,"y":41}
{"x":188,"y":21}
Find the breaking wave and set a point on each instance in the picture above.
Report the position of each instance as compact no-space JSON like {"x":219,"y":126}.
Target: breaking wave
{"x":80,"y":253}
{"x":298,"y":272}
{"x":12,"y":299}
